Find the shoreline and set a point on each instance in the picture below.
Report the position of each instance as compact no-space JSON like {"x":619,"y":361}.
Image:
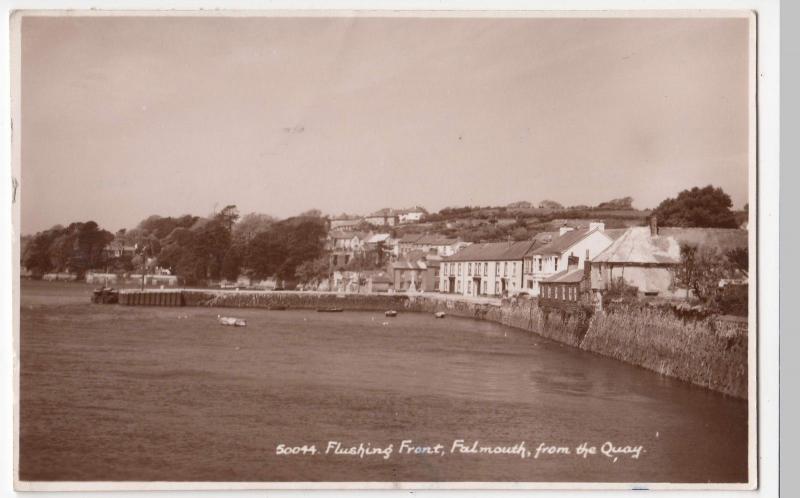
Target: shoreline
{"x":709,"y":352}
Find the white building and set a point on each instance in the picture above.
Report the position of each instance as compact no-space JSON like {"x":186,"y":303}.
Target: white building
{"x":546,"y":260}
{"x":488,"y":269}
{"x":412,"y":215}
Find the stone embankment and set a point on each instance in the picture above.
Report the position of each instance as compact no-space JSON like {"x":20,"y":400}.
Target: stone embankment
{"x":708,"y":352}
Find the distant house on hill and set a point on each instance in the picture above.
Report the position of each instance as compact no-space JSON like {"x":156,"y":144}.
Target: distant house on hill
{"x":345,"y":222}
{"x":487,"y":269}
{"x":543,"y":261}
{"x":411,"y":215}
{"x":646,"y":257}
{"x":344,"y":246}
{"x":442,"y":246}
{"x":118,"y":248}
{"x":382,"y":217}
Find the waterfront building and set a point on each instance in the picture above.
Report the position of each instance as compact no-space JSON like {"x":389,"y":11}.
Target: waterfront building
{"x":417,"y":271}
{"x":646,"y":257}
{"x":567,"y":289}
{"x":546,"y":260}
{"x":485,"y":269}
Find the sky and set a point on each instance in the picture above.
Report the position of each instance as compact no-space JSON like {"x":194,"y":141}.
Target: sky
{"x":125,"y":117}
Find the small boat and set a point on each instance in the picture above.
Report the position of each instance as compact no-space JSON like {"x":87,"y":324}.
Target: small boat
{"x":440,"y":314}
{"x":330,"y":310}
{"x":105,"y":295}
{"x":231,"y":321}
{"x":278,"y":307}
{"x":391,"y":313}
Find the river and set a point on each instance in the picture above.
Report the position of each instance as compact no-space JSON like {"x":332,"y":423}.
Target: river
{"x":136,"y":393}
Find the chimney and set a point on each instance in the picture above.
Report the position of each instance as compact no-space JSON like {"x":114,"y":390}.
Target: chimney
{"x":572,"y":262}
{"x":653,"y":226}
{"x":597,"y":225}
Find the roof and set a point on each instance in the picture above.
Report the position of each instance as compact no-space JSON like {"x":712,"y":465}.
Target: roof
{"x":378,"y":276}
{"x":378,"y":237}
{"x":383,"y":212}
{"x":615,"y":233}
{"x":563,"y":242}
{"x":405,"y":264}
{"x":636,"y":245}
{"x":573,"y":276}
{"x":427,"y":239}
{"x":347,"y":235}
{"x":492,"y":251}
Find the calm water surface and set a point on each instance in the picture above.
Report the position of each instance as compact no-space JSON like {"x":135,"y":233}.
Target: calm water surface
{"x":124,"y":393}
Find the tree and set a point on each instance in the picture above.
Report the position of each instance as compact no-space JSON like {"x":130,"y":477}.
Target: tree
{"x":251,"y":225}
{"x":228,"y":216}
{"x":313,"y":271}
{"x":548,"y":204}
{"x":702,"y":268}
{"x":621,"y":203}
{"x":698,"y":207}
{"x":232,"y":262}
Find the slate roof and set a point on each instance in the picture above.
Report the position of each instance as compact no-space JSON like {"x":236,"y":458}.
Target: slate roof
{"x":636,"y":245}
{"x":427,"y":239}
{"x":573,"y":276}
{"x":493,"y":251}
{"x":563,"y":242}
{"x":347,"y":235}
{"x":378,"y":237}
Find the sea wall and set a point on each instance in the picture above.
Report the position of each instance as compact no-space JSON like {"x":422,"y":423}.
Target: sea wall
{"x":708,"y":352}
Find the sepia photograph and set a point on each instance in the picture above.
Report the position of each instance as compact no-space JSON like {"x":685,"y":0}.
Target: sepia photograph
{"x":357,"y":249}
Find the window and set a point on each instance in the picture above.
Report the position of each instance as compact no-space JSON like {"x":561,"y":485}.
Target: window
{"x":458,"y":285}
{"x":555,"y":263}
{"x":497,"y":269}
{"x":485,"y":269}
{"x":469,"y":286}
{"x":540,"y":263}
{"x":497,"y":287}
{"x":469,"y":269}
{"x":505,"y":269}
{"x":527,"y":266}
{"x":484,"y":287}
{"x":459,"y":268}
{"x":514,"y":268}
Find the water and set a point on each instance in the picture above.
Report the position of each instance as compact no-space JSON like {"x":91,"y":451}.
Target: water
{"x":135,"y":393}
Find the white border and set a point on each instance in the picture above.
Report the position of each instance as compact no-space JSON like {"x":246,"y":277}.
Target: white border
{"x":767,"y":212}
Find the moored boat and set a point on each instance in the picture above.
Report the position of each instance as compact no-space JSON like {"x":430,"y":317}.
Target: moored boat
{"x":231,"y":321}
{"x":330,"y":310}
{"x":440,"y":314}
{"x":391,"y":313}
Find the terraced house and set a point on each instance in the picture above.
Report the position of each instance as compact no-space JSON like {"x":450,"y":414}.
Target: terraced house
{"x":488,"y":269}
{"x":549,"y":259}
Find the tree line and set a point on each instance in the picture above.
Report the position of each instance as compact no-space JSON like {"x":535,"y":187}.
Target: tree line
{"x":196,"y":249}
